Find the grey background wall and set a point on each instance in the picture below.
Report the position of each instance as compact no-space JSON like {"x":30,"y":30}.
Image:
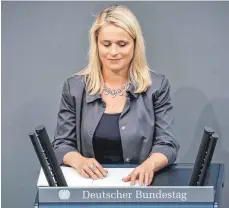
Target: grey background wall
{"x":43,"y":43}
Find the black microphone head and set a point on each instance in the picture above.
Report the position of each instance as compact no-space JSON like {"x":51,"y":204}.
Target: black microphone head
{"x":39,"y":128}
{"x":31,"y":134}
{"x":215,"y":136}
{"x":208,"y":129}
{"x":33,"y":138}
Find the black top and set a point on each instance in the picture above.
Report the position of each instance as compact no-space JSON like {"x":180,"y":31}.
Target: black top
{"x":107,"y":140}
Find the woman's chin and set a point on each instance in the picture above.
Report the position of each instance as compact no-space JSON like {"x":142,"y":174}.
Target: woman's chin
{"x":115,"y":67}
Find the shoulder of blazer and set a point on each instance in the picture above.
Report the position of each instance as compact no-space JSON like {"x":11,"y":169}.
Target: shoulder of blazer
{"x":76,"y":85}
{"x":76,"y":80}
{"x":156,"y":76}
{"x":157,"y":80}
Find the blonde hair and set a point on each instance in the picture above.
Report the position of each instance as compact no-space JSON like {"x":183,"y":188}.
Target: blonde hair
{"x":139,"y":74}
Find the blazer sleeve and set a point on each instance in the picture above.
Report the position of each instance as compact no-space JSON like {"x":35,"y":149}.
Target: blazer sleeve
{"x":65,"y":134}
{"x":164,"y":141}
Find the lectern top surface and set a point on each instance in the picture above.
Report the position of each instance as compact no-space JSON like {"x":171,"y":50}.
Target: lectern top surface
{"x":174,"y":175}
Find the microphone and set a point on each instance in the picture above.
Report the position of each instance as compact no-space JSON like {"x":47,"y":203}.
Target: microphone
{"x":207,"y":160}
{"x":43,"y":160}
{"x":47,"y":157}
{"x":208,"y":131}
{"x":50,"y":155}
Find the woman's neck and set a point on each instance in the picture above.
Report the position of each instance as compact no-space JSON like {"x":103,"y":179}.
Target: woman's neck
{"x":115,"y":79}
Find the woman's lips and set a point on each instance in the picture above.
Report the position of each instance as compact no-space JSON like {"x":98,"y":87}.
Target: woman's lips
{"x":114,"y":59}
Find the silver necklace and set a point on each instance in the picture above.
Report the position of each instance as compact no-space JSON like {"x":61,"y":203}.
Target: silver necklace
{"x":114,"y":92}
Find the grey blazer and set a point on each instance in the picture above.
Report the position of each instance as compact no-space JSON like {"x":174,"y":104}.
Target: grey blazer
{"x":145,"y":123}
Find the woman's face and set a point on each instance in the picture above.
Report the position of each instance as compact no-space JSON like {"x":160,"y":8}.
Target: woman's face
{"x":116,"y":48}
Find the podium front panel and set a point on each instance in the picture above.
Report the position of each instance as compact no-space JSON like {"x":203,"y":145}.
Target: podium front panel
{"x":135,"y":205}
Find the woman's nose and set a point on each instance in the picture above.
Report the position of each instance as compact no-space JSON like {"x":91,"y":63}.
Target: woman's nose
{"x":113,"y":50}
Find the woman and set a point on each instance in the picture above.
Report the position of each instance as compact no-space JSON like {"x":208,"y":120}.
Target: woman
{"x":116,"y":110}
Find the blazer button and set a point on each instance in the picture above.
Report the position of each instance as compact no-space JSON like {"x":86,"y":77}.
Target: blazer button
{"x":123,"y":127}
{"x":90,"y":133}
{"x":127,"y":160}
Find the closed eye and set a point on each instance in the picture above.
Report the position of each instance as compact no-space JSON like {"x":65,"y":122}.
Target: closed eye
{"x":122,"y":43}
{"x":119,"y":43}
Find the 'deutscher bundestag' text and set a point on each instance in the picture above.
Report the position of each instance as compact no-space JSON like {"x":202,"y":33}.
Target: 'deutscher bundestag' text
{"x":137,"y":194}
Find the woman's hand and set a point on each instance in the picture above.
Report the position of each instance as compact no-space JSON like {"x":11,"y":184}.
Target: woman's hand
{"x":86,"y":167}
{"x":90,"y":168}
{"x":143,"y":173}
